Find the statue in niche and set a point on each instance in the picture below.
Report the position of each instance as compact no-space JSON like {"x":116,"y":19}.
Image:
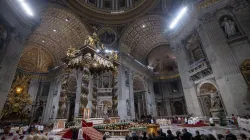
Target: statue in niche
{"x":105,"y":110}
{"x":215,"y":101}
{"x":197,"y":53}
{"x":229,"y":26}
{"x":3,"y":35}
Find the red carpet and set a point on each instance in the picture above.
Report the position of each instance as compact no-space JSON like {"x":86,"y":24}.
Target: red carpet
{"x":89,"y":133}
{"x":193,"y":125}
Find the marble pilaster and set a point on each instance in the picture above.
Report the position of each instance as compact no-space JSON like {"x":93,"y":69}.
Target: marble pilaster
{"x":189,"y":90}
{"x":78,"y":93}
{"x":49,"y":105}
{"x":232,"y":86}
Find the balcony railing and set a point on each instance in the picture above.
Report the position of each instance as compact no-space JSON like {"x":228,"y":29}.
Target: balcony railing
{"x":200,"y":69}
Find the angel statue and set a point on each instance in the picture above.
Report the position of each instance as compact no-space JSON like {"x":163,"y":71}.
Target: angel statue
{"x":71,"y":52}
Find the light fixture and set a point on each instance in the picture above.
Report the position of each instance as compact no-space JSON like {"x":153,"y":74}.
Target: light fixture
{"x":108,"y":51}
{"x":67,"y":19}
{"x":54,"y":30}
{"x":19,"y":90}
{"x":143,"y":26}
{"x":43,"y":41}
{"x":26,"y":7}
{"x":97,"y":50}
{"x":94,"y":64}
{"x":179,"y":16}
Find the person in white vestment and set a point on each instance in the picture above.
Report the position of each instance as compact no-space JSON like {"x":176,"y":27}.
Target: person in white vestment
{"x":80,"y":134}
{"x":152,"y":121}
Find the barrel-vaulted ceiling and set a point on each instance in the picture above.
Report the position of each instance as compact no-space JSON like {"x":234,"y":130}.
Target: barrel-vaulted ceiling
{"x":110,"y":11}
{"x":66,"y":23}
{"x":59,"y":29}
{"x":142,"y":36}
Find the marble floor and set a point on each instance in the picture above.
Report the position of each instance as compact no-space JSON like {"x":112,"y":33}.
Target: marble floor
{"x":203,"y":130}
{"x":215,"y":130}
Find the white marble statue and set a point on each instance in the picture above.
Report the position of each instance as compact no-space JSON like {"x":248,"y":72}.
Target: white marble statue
{"x":80,"y":134}
{"x":229,"y":27}
{"x":211,"y":121}
{"x":105,"y":110}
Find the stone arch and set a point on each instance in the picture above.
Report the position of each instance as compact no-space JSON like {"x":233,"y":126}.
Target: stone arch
{"x":142,"y":35}
{"x":178,"y":108}
{"x":212,"y":82}
{"x":59,"y":29}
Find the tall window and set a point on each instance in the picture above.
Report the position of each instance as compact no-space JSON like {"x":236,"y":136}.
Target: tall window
{"x":122,"y":3}
{"x":107,"y":4}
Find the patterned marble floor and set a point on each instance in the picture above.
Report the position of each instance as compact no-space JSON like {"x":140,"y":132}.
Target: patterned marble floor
{"x":206,"y":130}
{"x":203,"y":130}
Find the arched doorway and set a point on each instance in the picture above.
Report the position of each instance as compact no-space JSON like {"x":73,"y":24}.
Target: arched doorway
{"x":139,"y":97}
{"x":178,"y":108}
{"x":204,"y":95}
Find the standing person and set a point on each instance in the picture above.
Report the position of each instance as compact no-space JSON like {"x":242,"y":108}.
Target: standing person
{"x":243,"y":136}
{"x":220,"y":137}
{"x":198,"y":136}
{"x":150,"y":137}
{"x":170,"y":136}
{"x":159,"y":136}
{"x":230,"y":136}
{"x":134,"y":136}
{"x":178,"y":135}
{"x":235,"y":120}
{"x":211,"y":137}
{"x":162,"y":133}
{"x":186,"y":135}
{"x":144,"y":136}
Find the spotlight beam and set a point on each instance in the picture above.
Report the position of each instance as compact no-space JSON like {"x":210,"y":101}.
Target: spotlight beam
{"x":179,"y":16}
{"x":26,"y":7}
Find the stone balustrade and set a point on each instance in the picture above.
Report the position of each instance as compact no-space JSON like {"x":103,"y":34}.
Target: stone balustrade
{"x":200,"y":70}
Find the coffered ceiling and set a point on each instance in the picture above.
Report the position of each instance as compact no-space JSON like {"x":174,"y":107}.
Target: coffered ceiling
{"x":142,"y":36}
{"x":59,"y":29}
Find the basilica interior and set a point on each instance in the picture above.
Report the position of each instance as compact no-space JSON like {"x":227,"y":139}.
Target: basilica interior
{"x":123,"y":59}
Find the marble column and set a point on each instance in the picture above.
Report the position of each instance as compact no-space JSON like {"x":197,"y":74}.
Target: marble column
{"x":124,"y":91}
{"x":232,"y":87}
{"x":49,"y":105}
{"x":9,"y":66}
{"x":193,"y":106}
{"x":56,"y":97}
{"x":78,"y":93}
{"x":152,"y":97}
{"x":18,"y":32}
{"x":166,"y":89}
{"x":33,"y":89}
{"x":131,"y":95}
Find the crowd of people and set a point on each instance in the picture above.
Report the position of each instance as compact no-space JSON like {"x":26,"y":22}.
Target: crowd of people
{"x":20,"y":132}
{"x":184,"y":135}
{"x":243,"y":122}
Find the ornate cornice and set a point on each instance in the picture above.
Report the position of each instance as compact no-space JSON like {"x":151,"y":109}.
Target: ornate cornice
{"x":97,"y":16}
